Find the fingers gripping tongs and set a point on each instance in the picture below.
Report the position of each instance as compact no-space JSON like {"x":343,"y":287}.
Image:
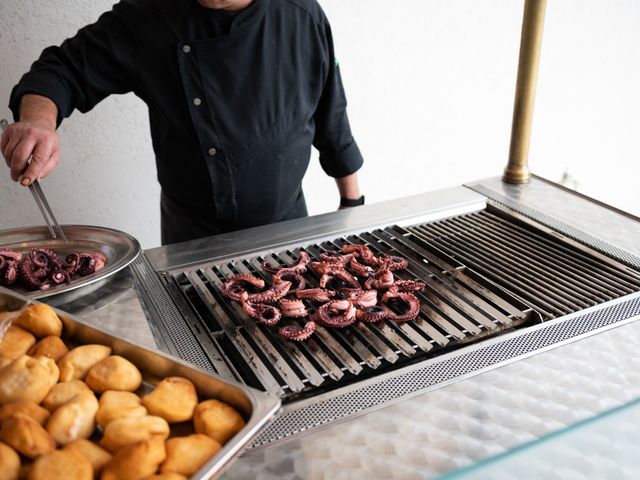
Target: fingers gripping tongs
{"x":38,"y":195}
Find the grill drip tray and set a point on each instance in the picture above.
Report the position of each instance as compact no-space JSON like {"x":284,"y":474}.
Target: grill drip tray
{"x":488,"y":274}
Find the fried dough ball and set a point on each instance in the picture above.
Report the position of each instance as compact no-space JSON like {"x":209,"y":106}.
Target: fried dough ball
{"x":63,"y":392}
{"x":40,"y":319}
{"x":217,"y":419}
{"x":97,"y":456}
{"x":74,"y":419}
{"x":75,"y":364}
{"x":129,"y":430}
{"x":173,"y":399}
{"x":28,"y":408}
{"x":115,"y":404}
{"x":166,"y":476}
{"x":51,"y":346}
{"x":114,"y":373}
{"x":26,"y":436}
{"x":186,"y":455}
{"x":61,"y":465}
{"x":27,"y":378}
{"x":137,"y":461}
{"x":16,"y":342}
{"x":9,"y":463}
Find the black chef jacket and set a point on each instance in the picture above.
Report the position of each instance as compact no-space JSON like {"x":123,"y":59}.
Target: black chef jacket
{"x":235,"y":103}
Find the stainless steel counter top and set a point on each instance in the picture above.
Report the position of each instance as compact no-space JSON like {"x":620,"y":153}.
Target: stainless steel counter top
{"x":456,"y":425}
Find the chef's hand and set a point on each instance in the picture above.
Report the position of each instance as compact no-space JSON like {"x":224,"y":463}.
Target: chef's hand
{"x":35,"y":137}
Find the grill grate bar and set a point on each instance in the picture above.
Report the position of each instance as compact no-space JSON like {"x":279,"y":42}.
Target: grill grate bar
{"x":619,"y":280}
{"x":242,"y":346}
{"x":264,"y":344}
{"x":526,"y":271}
{"x":453,"y":283}
{"x":523,"y":289}
{"x":570,"y":274}
{"x":420,"y":245}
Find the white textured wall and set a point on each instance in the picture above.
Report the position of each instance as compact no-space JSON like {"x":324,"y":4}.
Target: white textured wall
{"x":430,"y":86}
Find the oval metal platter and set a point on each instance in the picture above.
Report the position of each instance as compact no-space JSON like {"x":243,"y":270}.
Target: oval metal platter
{"x":118,"y":247}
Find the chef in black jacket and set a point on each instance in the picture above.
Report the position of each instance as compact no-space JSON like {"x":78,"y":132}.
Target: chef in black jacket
{"x":238,"y":91}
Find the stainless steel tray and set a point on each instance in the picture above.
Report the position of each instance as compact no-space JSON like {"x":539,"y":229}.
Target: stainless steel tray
{"x":118,"y":247}
{"x":257,"y":408}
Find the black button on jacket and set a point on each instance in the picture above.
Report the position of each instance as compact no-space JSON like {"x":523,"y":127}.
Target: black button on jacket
{"x":234,"y":103}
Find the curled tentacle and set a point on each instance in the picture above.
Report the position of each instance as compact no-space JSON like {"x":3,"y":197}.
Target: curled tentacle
{"x":335,"y":257}
{"x":273,"y":294}
{"x":70,"y":263}
{"x":393,"y":262}
{"x":409,"y":285}
{"x":10,"y":275}
{"x":265,"y":314}
{"x":316,"y":294}
{"x":364,"y":252}
{"x":296,"y":333}
{"x":42,"y":258}
{"x":408,"y":299}
{"x":337,"y":313}
{"x":292,"y":308}
{"x":235,"y":285}
{"x":359,"y":269}
{"x":60,"y":276}
{"x":339,"y":274}
{"x":27,"y":276}
{"x":86,"y":264}
{"x":372,"y":314}
{"x":286,"y":274}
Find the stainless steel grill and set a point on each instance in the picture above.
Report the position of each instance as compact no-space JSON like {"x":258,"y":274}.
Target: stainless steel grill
{"x":486,"y":272}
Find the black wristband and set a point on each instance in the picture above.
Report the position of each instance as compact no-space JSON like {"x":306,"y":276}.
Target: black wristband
{"x":350,"y":202}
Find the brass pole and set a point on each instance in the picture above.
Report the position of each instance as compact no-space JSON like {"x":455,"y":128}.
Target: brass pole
{"x":517,"y":170}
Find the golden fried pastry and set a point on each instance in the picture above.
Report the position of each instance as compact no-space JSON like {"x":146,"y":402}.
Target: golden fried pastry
{"x":166,"y":476}
{"x":97,"y":456}
{"x":9,"y":463}
{"x":217,"y":419}
{"x":61,"y":465}
{"x":115,"y":404}
{"x":173,"y":399}
{"x":27,"y":378}
{"x":114,"y":373}
{"x":16,"y":342}
{"x":51,"y":346}
{"x":40,"y":319}
{"x":75,"y":364}
{"x":63,"y":392}
{"x":26,"y":436}
{"x":74,"y":419}
{"x":126,"y":431}
{"x":30,"y":409}
{"x":186,"y":455}
{"x":4,"y":361}
{"x":137,"y":461}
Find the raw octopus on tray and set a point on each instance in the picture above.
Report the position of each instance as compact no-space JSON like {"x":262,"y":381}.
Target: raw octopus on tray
{"x":41,"y":268}
{"x":354,"y":286}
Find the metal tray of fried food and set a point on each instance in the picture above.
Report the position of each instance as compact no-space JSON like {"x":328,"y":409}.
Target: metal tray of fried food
{"x":257,"y":407}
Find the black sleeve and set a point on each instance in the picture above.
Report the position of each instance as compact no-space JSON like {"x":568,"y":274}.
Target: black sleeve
{"x":98,"y":61}
{"x":339,"y":153}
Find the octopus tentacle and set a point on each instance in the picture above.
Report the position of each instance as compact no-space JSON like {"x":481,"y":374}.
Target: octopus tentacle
{"x":291,"y":275}
{"x":372,"y":314}
{"x":360,"y":297}
{"x":273,"y":294}
{"x":296,"y":333}
{"x":315,"y":294}
{"x":27,"y":276}
{"x":407,"y":298}
{"x":43,"y":258}
{"x":265,"y":314}
{"x":360,"y":269}
{"x":409,"y":285}
{"x":364,"y":252}
{"x":337,"y":313}
{"x":383,"y":278}
{"x":10,"y":254}
{"x":393,"y":262}
{"x":292,"y":308}
{"x":233,"y":287}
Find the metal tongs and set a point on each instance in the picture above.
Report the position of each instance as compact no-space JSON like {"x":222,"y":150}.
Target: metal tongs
{"x":38,"y":195}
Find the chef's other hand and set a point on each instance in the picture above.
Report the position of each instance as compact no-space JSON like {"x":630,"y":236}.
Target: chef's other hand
{"x":33,"y":137}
